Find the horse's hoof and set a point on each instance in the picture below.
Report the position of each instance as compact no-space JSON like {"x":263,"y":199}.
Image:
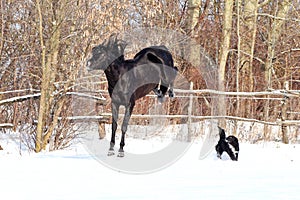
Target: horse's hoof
{"x":121,"y":154}
{"x":158,"y":92}
{"x":110,"y":153}
{"x":171,"y":94}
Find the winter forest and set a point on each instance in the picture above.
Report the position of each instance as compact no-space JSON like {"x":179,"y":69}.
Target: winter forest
{"x":44,"y":45}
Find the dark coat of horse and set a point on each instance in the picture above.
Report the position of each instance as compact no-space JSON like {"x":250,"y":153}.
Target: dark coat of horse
{"x":151,"y":69}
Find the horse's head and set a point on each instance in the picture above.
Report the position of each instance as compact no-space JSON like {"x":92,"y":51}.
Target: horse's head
{"x":104,"y":54}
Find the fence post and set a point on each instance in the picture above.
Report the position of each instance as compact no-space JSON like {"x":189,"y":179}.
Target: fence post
{"x":284,"y":102}
{"x":190,"y":109}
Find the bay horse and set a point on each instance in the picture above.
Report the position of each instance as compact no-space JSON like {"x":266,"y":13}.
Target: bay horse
{"x":151,"y":69}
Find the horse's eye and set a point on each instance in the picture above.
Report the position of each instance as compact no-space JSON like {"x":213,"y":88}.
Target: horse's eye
{"x":94,"y":50}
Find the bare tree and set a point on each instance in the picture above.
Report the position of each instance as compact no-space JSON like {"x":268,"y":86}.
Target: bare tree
{"x":281,"y":12}
{"x":224,"y":50}
{"x":247,"y":36}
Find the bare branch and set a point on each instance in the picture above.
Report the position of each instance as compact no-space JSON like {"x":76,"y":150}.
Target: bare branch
{"x":276,"y":17}
{"x":247,"y":54}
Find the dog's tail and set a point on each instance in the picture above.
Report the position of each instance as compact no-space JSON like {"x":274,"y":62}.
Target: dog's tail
{"x":222,"y":133}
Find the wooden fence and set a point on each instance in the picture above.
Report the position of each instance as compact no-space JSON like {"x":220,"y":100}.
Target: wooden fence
{"x":279,"y":95}
{"x":191,"y":94}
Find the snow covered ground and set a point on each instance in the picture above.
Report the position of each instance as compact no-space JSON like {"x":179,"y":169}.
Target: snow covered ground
{"x":264,"y":171}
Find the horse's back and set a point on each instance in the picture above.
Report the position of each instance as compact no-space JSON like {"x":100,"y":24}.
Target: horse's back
{"x":159,"y":50}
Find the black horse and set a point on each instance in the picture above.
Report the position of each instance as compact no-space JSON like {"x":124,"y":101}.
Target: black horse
{"x":152,"y":69}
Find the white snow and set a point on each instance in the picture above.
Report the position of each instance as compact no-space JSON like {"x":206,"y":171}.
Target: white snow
{"x":264,"y":171}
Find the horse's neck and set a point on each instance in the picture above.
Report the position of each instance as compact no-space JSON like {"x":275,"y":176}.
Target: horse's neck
{"x":111,"y":79}
{"x":113,"y":73}
{"x":115,"y":70}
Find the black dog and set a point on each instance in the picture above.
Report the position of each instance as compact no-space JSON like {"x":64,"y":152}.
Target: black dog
{"x":228,"y":144}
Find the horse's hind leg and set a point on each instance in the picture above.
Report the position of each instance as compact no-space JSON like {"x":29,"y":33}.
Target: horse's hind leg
{"x":173,"y":75}
{"x":171,"y":92}
{"x":163,"y":90}
{"x":157,"y":91}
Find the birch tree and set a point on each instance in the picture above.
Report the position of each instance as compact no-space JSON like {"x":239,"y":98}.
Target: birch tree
{"x":278,"y":19}
{"x":247,"y":34}
{"x":226,"y":33}
{"x":281,"y":11}
{"x":49,"y":56}
{"x":193,"y":15}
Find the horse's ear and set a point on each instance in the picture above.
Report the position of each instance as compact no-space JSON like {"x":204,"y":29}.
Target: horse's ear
{"x":115,"y":37}
{"x":122,"y":44}
{"x":105,"y":43}
{"x":112,"y":39}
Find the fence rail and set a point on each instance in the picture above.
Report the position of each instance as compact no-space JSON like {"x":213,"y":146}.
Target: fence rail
{"x":288,"y":93}
{"x":190,"y":94}
{"x":276,"y":123}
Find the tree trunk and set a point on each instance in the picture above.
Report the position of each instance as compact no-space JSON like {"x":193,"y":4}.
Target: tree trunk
{"x":57,"y":110}
{"x":284,"y":106}
{"x":49,"y":66}
{"x":226,"y":32}
{"x":45,"y":83}
{"x":247,"y":30}
{"x":193,"y":15}
{"x":274,"y":34}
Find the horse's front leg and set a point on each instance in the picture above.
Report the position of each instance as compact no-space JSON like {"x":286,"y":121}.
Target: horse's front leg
{"x":128,"y":112}
{"x":115,"y":112}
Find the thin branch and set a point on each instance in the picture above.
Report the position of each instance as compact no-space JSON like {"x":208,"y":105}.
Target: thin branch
{"x":279,"y":18}
{"x":247,"y":54}
{"x":287,"y":51}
